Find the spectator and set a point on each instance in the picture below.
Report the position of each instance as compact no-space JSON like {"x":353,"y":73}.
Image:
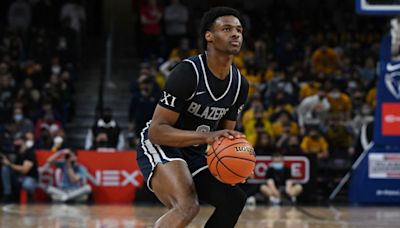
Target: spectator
{"x":50,"y":123}
{"x":142,"y":105}
{"x":254,"y":121}
{"x":30,"y":96}
{"x":21,"y":173}
{"x":325,"y":61}
{"x":315,"y":143}
{"x":73,"y":181}
{"x":340,"y":103}
{"x":278,"y":181}
{"x":368,"y":71}
{"x":286,"y":142}
{"x":182,"y":50}
{"x":313,"y":110}
{"x":19,"y":15}
{"x":309,"y":89}
{"x":6,"y":95}
{"x":150,"y":16}
{"x":284,"y":120}
{"x":176,"y":17}
{"x":278,"y":102}
{"x":105,"y":133}
{"x":23,"y":125}
{"x":264,"y":144}
{"x":339,"y":136}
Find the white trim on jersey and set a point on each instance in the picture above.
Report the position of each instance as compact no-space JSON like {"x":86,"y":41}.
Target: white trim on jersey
{"x":239,"y":85}
{"x":164,"y":156}
{"x":153,"y":164}
{"x":197,"y":75}
{"x":199,"y":170}
{"x":208,"y":86}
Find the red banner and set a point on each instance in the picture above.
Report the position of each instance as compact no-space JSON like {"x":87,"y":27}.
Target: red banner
{"x":114,"y":176}
{"x":299,"y":168}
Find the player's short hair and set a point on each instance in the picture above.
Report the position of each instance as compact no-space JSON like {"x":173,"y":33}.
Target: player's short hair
{"x":208,"y":19}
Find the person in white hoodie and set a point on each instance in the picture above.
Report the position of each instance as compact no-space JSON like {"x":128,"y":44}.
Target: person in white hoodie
{"x":313,"y":110}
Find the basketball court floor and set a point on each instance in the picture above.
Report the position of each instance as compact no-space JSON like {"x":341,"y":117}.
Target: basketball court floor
{"x":103,"y":216}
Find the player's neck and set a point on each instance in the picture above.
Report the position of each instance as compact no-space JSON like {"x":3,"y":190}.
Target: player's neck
{"x":219,"y":64}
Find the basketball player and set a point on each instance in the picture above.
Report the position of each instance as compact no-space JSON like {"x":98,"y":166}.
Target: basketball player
{"x":199,"y":105}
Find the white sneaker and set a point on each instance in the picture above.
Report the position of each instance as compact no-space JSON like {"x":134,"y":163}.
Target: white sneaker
{"x":251,"y":203}
{"x":274,"y":200}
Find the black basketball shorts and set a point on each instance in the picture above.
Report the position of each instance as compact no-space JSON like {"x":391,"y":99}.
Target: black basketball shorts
{"x":149,"y":155}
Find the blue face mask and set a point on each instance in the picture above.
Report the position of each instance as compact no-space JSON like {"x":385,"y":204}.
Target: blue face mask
{"x":277,"y":166}
{"x":18,"y":117}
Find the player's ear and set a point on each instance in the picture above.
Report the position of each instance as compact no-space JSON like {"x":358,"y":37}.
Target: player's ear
{"x":209,"y":36}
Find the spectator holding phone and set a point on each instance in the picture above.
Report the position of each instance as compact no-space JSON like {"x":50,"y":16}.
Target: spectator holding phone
{"x":73,"y":183}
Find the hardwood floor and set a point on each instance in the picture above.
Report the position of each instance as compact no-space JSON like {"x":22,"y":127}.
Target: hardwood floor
{"x":102,"y":216}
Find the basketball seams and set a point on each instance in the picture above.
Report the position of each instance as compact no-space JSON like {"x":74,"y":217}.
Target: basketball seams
{"x":229,"y":169}
{"x":216,"y":154}
{"x":226,"y":171}
{"x":230,"y":156}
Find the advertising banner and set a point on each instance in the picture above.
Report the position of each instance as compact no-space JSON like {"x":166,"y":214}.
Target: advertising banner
{"x":114,"y":177}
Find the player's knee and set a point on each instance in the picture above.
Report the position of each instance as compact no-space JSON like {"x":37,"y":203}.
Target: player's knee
{"x":188,"y":209}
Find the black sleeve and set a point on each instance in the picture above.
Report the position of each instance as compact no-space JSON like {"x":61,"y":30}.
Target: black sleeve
{"x":287,"y":174}
{"x":242,"y":97}
{"x":180,"y":85}
{"x":270,"y":174}
{"x":29,"y":156}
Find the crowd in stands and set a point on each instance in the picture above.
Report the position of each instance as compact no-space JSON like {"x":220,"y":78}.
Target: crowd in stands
{"x":312,"y":82}
{"x":39,"y":49}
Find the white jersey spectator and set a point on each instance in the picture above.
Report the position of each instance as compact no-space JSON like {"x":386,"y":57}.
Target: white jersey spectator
{"x":313,"y":109}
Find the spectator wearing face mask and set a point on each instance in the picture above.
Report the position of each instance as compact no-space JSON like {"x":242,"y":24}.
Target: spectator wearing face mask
{"x":20,"y":172}
{"x":313,"y":110}
{"x":278,"y":181}
{"x":23,"y":125}
{"x":105,"y":133}
{"x":50,"y":123}
{"x":340,"y":103}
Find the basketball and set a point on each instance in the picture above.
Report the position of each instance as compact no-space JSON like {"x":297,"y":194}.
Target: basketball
{"x":232,"y":161}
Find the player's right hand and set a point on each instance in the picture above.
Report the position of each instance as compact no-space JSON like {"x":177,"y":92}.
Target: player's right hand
{"x":218,"y":135}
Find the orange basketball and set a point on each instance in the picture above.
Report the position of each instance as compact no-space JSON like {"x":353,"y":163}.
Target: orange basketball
{"x":232,"y":161}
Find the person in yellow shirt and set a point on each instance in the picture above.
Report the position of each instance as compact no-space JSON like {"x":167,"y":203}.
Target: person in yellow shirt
{"x":284,"y":120}
{"x":258,"y":123}
{"x":325,"y":60}
{"x":340,"y":103}
{"x":314,"y":143}
{"x":371,"y":97}
{"x":309,"y":89}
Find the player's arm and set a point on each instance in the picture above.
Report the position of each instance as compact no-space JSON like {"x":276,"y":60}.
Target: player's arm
{"x":162,"y":131}
{"x":181,"y":85}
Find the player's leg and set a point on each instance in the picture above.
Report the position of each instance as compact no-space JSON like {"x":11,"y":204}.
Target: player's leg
{"x":228,"y":200}
{"x":173,"y":185}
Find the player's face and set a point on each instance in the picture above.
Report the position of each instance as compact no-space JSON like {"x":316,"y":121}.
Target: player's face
{"x":227,"y":34}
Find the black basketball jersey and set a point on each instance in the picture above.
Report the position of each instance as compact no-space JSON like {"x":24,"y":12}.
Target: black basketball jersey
{"x":202,"y":109}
